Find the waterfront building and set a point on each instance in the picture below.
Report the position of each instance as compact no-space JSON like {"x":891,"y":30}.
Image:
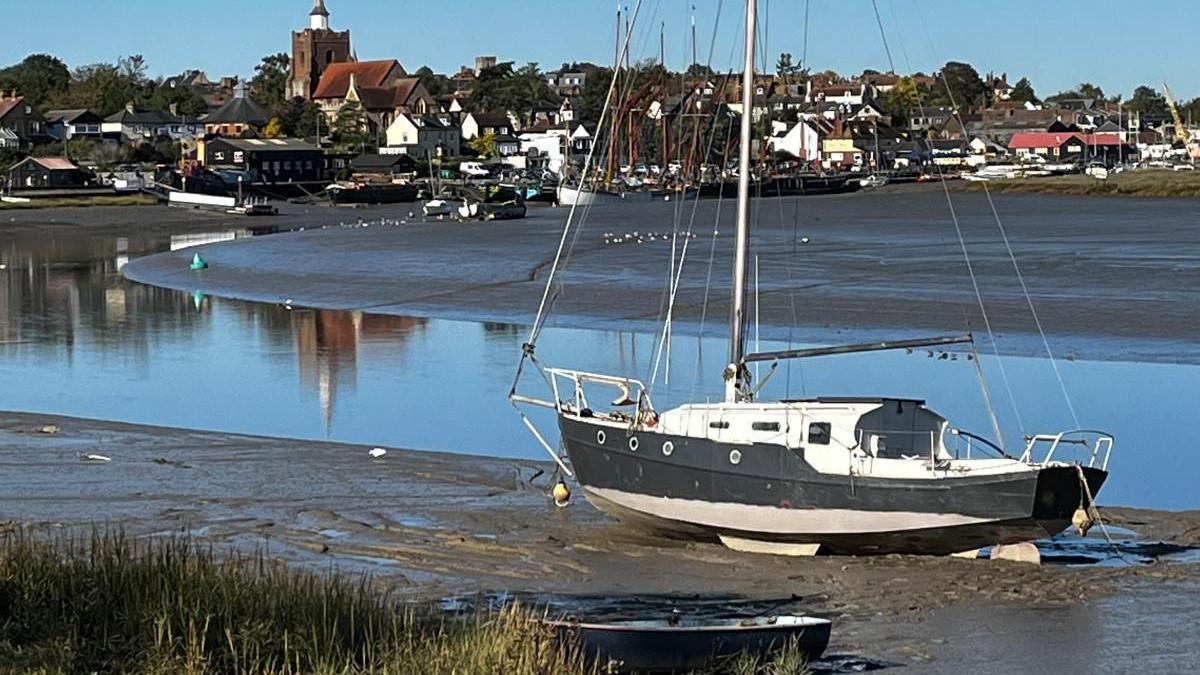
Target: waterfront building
{"x":314,"y":50}
{"x":45,"y":173}
{"x":1071,"y":147}
{"x":268,"y":160}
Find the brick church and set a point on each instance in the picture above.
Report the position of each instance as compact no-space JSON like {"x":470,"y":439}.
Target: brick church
{"x":314,"y":49}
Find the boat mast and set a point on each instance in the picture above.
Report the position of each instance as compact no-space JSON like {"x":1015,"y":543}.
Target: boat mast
{"x":736,"y":387}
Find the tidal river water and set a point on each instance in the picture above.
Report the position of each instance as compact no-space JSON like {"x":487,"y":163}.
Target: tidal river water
{"x":76,"y":338}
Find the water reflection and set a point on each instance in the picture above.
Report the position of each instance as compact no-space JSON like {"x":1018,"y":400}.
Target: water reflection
{"x":77,"y":339}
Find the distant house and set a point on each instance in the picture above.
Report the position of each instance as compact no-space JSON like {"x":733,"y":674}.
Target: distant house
{"x":133,"y":124}
{"x":423,"y":136}
{"x":567,"y":82}
{"x":507,"y":145}
{"x":998,"y":87}
{"x":45,"y":172}
{"x":240,"y":115}
{"x":22,"y":119}
{"x":268,"y":160}
{"x":215,"y":94}
{"x":801,"y":140}
{"x":71,"y":124}
{"x":477,"y":124}
{"x":923,"y":118}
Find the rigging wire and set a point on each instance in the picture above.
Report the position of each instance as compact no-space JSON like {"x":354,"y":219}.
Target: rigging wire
{"x":1013,"y":259}
{"x":883,"y":36}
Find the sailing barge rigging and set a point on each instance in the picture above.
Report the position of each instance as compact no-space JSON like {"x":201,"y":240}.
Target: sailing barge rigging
{"x":847,"y":475}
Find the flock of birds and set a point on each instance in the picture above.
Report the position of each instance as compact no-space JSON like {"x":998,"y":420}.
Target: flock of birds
{"x":638,"y":237}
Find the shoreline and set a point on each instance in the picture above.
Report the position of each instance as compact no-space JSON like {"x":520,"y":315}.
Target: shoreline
{"x":430,"y":526}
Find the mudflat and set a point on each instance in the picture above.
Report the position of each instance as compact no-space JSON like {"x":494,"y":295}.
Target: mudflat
{"x":432,"y":526}
{"x":1110,"y":278}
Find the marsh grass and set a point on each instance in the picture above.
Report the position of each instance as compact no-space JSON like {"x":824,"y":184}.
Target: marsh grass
{"x":1141,"y":183}
{"x":108,"y":603}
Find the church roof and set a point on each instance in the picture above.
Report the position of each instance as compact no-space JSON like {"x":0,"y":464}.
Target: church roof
{"x":335,"y":81}
{"x":319,"y":9}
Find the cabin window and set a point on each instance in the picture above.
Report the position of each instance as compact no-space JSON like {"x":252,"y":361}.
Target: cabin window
{"x":718,"y":425}
{"x":765,"y":426}
{"x":818,"y":433}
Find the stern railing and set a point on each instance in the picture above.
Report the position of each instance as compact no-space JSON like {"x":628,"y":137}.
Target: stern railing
{"x":1098,"y":443}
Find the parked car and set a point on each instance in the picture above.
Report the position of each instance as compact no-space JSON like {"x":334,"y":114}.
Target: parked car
{"x":473,"y":170}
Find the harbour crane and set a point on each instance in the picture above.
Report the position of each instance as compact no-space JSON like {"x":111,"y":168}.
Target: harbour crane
{"x":1181,"y":132}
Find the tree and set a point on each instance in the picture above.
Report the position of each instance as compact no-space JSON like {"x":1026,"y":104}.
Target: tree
{"x":1023,"y":91}
{"x":959,"y":85}
{"x":185,"y":99}
{"x":274,"y":128}
{"x":37,"y":78}
{"x":435,"y":84}
{"x":269,"y":84}
{"x":1089,"y":90}
{"x":484,"y":146}
{"x":502,"y":88}
{"x":1147,"y":101}
{"x":350,"y":126}
{"x":785,"y":69}
{"x":589,"y":105}
{"x":902,"y":99}
{"x":299,"y":118}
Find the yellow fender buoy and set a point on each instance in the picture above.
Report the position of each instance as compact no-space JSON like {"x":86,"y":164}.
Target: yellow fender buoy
{"x":561,"y":494}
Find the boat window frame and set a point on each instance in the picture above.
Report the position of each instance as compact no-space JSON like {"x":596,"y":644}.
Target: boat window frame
{"x":824,"y":438}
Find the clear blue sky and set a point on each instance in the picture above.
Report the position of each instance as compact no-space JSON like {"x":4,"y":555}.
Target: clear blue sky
{"x":1056,"y":44}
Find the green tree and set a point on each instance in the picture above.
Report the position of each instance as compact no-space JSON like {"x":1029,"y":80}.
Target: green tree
{"x":435,"y":84}
{"x":1023,"y":91}
{"x":269,"y":84}
{"x":959,"y":85}
{"x":484,"y":146}
{"x":1089,"y":90}
{"x":300,"y":118}
{"x":589,"y":104}
{"x":785,"y":69}
{"x":186,"y":101}
{"x":902,"y":99}
{"x":350,"y":127}
{"x":1147,"y":101}
{"x":38,"y":78}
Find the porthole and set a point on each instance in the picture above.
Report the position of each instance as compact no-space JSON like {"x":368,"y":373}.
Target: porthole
{"x":633,"y":443}
{"x":600,"y":437}
{"x":668,"y":448}
{"x":735,"y":456}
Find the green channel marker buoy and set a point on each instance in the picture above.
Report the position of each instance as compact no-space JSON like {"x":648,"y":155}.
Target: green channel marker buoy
{"x":198,"y":262}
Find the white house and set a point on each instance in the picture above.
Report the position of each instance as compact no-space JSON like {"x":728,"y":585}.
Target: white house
{"x":422,"y":136}
{"x":801,"y":140}
{"x":477,"y":124}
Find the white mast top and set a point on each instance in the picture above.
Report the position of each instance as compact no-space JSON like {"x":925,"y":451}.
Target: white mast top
{"x":736,"y":387}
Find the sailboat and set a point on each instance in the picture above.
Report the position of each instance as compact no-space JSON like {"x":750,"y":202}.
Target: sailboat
{"x":797,"y":477}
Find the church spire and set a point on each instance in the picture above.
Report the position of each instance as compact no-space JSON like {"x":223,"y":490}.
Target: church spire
{"x":318,"y":18}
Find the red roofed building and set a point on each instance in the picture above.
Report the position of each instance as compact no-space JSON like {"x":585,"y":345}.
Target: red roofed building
{"x":45,"y":172}
{"x":1059,"y":147}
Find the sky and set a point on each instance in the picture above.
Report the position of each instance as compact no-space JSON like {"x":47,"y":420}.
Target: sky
{"x":1055,"y":44}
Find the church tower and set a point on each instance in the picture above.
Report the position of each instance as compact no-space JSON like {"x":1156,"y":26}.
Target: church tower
{"x":313,"y":50}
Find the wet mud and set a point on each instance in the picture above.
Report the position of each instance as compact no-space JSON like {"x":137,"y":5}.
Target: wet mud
{"x":435,"y":526}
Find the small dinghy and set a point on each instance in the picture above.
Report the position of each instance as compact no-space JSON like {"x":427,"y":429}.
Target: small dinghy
{"x":680,"y":644}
